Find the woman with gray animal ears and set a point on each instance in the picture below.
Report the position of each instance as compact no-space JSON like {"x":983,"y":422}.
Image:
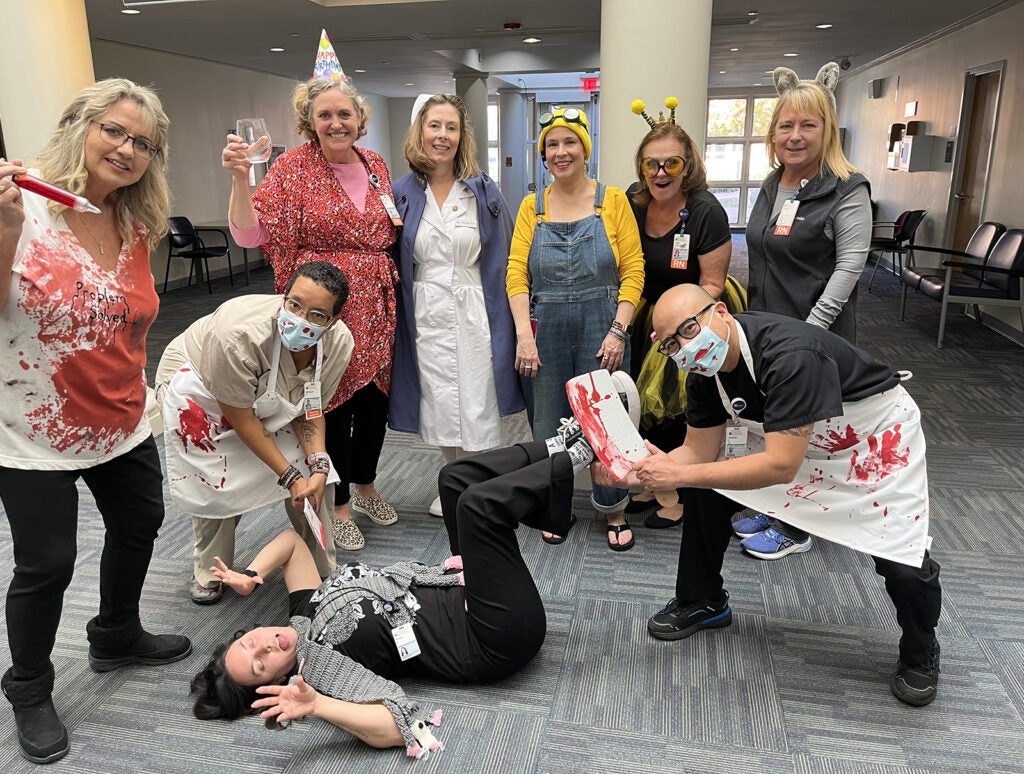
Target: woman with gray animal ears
{"x":808,"y":238}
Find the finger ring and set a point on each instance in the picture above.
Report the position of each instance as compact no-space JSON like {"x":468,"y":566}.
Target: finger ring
{"x":529,"y":368}
{"x":3,"y":188}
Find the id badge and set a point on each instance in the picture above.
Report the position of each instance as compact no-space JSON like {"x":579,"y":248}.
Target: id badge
{"x":735,"y":441}
{"x":311,"y":400}
{"x":680,"y":251}
{"x":392,"y":209}
{"x":786,"y":217}
{"x":405,"y":641}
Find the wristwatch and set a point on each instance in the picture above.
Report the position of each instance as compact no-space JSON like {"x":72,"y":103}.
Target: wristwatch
{"x":627,"y":329}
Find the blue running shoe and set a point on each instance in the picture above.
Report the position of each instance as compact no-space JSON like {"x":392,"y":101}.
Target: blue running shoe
{"x":771,"y":544}
{"x":751,"y":525}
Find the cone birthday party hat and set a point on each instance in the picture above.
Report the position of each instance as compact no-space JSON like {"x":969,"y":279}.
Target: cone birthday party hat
{"x":327,"y":67}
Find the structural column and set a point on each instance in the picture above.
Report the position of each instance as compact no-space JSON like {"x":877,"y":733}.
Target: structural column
{"x":681,"y":34}
{"x":514,"y":154}
{"x":47,"y":59}
{"x":472,"y":87}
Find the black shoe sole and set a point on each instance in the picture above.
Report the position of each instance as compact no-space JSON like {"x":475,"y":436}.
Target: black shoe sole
{"x":97,"y":664}
{"x":715,"y":622}
{"x":45,"y":759}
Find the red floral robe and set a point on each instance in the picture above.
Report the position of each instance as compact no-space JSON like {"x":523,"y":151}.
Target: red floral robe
{"x":311,"y":218}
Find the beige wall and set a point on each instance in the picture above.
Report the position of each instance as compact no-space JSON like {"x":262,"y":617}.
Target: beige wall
{"x":203,"y":100}
{"x":934,"y":76}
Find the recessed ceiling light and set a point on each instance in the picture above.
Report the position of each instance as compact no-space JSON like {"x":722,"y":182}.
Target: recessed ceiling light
{"x":734,"y":49}
{"x":721,"y":72}
{"x":823,"y":26}
{"x":531,"y":40}
{"x":758,"y":84}
{"x":751,"y":13}
{"x":410,"y":83}
{"x":130,"y":11}
{"x":360,"y":71}
{"x":277,"y":49}
{"x":768,"y":72}
{"x":791,"y":53}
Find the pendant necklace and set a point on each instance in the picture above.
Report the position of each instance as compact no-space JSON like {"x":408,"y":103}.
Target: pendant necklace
{"x":99,"y":242}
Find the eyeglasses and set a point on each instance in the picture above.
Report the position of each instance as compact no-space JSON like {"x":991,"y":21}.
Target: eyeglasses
{"x":314,"y":316}
{"x":687,"y":329}
{"x":673,"y":166}
{"x":117,"y":137}
{"x":569,"y":115}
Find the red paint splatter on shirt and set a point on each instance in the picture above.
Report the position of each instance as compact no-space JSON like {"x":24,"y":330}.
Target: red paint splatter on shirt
{"x":194,"y":425}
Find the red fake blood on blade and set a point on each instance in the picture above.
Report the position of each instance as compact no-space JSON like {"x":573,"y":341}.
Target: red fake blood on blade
{"x":194,"y":425}
{"x":883,"y":458}
{"x":834,"y":442}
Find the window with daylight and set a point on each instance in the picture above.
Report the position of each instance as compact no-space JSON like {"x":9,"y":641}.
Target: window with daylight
{"x":735,"y":153}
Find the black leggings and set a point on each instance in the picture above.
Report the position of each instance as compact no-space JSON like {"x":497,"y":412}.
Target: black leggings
{"x":355,"y":435}
{"x":484,"y":499}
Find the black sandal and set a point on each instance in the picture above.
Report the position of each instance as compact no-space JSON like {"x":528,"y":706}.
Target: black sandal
{"x":617,"y":529}
{"x":556,"y":540}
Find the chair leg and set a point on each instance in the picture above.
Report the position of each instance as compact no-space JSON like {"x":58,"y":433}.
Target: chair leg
{"x":206,"y":268}
{"x":942,"y":323}
{"x":231,"y":272}
{"x":167,"y":273}
{"x":903,"y":301}
{"x":191,"y":269}
{"x":878,"y":259}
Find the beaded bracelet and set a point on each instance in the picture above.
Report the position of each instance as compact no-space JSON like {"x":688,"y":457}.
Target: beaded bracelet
{"x":290,"y":476}
{"x":618,"y":334}
{"x":318,"y":462}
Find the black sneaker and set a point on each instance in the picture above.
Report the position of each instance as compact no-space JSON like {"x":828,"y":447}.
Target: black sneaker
{"x":675,"y":622}
{"x":148,"y":649}
{"x":917,"y":685}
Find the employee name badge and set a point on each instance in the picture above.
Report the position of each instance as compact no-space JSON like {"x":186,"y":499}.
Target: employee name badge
{"x":735,"y":441}
{"x":405,"y":641}
{"x":311,"y":400}
{"x":680,"y":251}
{"x":389,"y":205}
{"x":786,"y":217}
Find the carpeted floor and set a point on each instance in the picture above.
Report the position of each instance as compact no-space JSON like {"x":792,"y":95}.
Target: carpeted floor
{"x":798,"y":683}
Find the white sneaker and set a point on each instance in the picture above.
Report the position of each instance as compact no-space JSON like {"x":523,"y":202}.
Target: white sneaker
{"x":435,"y":507}
{"x":628,"y":394}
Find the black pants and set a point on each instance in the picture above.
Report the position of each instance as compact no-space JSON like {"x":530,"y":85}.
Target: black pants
{"x":355,"y":436}
{"x":42,"y":508}
{"x":707,"y":530}
{"x":484,"y":499}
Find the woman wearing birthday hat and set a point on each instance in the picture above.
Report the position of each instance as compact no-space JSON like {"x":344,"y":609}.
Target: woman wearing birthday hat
{"x":685,"y":237}
{"x":328,"y":200}
{"x":574,"y":278}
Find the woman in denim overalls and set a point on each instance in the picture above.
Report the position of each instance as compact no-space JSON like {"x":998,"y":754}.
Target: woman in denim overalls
{"x":575,"y":275}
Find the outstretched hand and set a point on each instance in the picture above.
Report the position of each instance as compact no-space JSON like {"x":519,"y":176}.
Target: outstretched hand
{"x":286,"y":702}
{"x":242,"y":584}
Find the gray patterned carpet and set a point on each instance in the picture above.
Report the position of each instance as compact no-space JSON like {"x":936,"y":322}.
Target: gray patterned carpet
{"x":797,"y":684}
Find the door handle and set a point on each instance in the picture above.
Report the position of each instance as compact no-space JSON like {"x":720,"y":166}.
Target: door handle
{"x":960,"y":196}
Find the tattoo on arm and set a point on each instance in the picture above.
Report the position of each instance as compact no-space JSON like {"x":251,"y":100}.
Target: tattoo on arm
{"x":802,"y":432}
{"x":308,"y":429}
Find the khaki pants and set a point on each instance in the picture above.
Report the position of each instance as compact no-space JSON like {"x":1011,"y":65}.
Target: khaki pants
{"x":216,"y":537}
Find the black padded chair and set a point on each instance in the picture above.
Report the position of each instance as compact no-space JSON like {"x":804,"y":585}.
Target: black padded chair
{"x":997,"y":281}
{"x":183,"y":241}
{"x":900,"y":244}
{"x":972,"y":258}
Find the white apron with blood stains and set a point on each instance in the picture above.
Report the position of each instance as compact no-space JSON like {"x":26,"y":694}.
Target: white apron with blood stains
{"x":863,"y":482}
{"x":212,"y":473}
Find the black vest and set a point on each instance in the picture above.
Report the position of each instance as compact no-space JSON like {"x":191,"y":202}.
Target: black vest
{"x":789,"y":273}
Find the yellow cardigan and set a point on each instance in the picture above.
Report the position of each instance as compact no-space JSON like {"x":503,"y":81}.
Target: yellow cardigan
{"x":619,"y":224}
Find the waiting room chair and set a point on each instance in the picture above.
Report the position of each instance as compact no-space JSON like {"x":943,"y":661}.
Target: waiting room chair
{"x":900,"y":244}
{"x":998,"y":281}
{"x":183,"y":241}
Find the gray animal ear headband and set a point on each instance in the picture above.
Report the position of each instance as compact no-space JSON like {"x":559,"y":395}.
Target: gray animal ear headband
{"x":827,"y":77}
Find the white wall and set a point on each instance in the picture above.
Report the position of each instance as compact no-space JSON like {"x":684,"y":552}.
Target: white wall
{"x":203,"y":100}
{"x":934,"y":76}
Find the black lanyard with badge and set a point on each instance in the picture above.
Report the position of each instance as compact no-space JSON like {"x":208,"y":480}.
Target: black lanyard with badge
{"x":787,"y":215}
{"x":681,"y":243}
{"x":385,"y":199}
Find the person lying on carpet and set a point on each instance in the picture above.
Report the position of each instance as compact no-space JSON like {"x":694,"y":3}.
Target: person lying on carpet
{"x":476,"y":618}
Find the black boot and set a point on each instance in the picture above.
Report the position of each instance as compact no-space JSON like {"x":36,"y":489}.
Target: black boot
{"x":117,"y":646}
{"x":43,"y":738}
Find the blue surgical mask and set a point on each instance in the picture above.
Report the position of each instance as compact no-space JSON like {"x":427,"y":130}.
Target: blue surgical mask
{"x":297,"y":334}
{"x":705,"y":353}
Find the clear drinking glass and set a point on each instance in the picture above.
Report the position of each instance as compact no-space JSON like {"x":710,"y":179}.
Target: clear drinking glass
{"x":254,"y":131}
